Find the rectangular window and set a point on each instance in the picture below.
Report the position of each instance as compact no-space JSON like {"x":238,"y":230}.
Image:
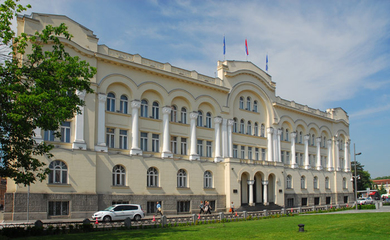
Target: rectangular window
{"x":123,"y":139}
{"x":174,"y":145}
{"x":59,"y":208}
{"x":345,"y":199}
{"x":119,"y":202}
{"x":327,"y":200}
{"x":208,"y":149}
{"x":235,"y":147}
{"x":155,"y":143}
{"x":48,"y":135}
{"x":282,"y":156}
{"x":152,"y":206}
{"x":304,"y":202}
{"x":199,"y":149}
{"x":257,"y":154}
{"x":249,"y":152}
{"x":183,"y":206}
{"x":144,"y":141}
{"x":301,"y":159}
{"x":287,"y":157}
{"x":316,"y":201}
{"x":65,"y":132}
{"x":263,"y":154}
{"x":110,"y":137}
{"x":290,"y":202}
{"x":183,"y":147}
{"x":242,"y":152}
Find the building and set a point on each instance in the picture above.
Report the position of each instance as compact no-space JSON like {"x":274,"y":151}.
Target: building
{"x":378,"y":184}
{"x":155,"y":132}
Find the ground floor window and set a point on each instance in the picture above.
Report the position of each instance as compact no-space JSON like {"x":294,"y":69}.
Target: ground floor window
{"x":152,"y":207}
{"x":119,"y":202}
{"x":290,"y":202}
{"x":304,"y":202}
{"x":58,"y":208}
{"x":345,"y":199}
{"x":316,"y":201}
{"x":183,"y":206}
{"x":327,"y":200}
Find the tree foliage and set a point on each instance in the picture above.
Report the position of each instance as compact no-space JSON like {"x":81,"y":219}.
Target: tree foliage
{"x":38,"y":84}
{"x":384,"y":177}
{"x":364,"y":180}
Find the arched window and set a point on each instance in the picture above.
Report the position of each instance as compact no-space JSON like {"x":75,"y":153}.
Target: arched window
{"x":152,"y":175}
{"x":255,"y":106}
{"x":208,"y":179}
{"x":256,"y":129}
{"x":235,"y":125}
{"x":249,"y":128}
{"x":289,"y":182}
{"x":111,"y":102}
{"x":155,"y":110}
{"x":181,"y":178}
{"x":315,"y":182}
{"x":118,"y":176}
{"x":58,"y":172}
{"x":184,"y":115}
{"x":303,"y":182}
{"x":124,"y":103}
{"x":248,"y":103}
{"x":282,"y":135}
{"x":144,"y":108}
{"x":312,"y":139}
{"x":174,"y":114}
{"x":242,"y":126}
{"x":208,"y":120}
{"x":324,"y":142}
{"x":241,"y":103}
{"x":300,"y":137}
{"x":341,"y":145}
{"x":200,"y":119}
{"x":262,"y":133}
{"x":327,"y":183}
{"x":344,"y":183}
{"x":287,"y":135}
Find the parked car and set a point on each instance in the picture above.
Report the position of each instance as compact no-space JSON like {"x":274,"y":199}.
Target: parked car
{"x":120,"y":212}
{"x":363,"y":201}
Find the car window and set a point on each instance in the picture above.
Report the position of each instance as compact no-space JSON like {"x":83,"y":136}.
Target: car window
{"x":109,"y":208}
{"x":133,"y":207}
{"x":119,"y":208}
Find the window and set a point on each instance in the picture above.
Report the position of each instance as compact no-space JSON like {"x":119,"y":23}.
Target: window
{"x":249,"y":128}
{"x":241,"y":103}
{"x":290,"y":202}
{"x":341,"y":145}
{"x":326,"y":183}
{"x":315,"y":182}
{"x":48,"y":135}
{"x":65,"y":132}
{"x":257,"y":154}
{"x":174,"y":114}
{"x":118,"y":176}
{"x":152,"y":175}
{"x":110,"y":137}
{"x":328,"y":200}
{"x":208,"y":120}
{"x":181,"y":178}
{"x":200,"y":119}
{"x":287,"y":135}
{"x":144,"y":141}
{"x":123,"y":139}
{"x":249,"y":152}
{"x":242,"y":126}
{"x":183,"y":206}
{"x":255,"y":106}
{"x":199,"y":148}
{"x":344,"y":183}
{"x":111,"y":102}
{"x":155,"y":143}
{"x":303,"y":182}
{"x":184,"y":115}
{"x":312,"y":139}
{"x":345,"y":199}
{"x":300,"y":137}
{"x":301,"y":159}
{"x":289,"y":184}
{"x":304,"y":201}
{"x":248,"y":103}
{"x":324,"y":142}
{"x":262,"y":133}
{"x":256,"y":130}
{"x":282,"y":156}
{"x":287,"y":157}
{"x":124,"y":103}
{"x":316,"y":201}
{"x":58,"y":208}
{"x":263,"y":154}
{"x":183,"y":147}
{"x":208,"y":179}
{"x":208,"y":149}
{"x":58,"y":172}
{"x":235,"y":125}
{"x":174,"y":145}
{"x":235,"y":150}
{"x":144,"y":108}
{"x":155,"y":110}
{"x":242,"y":152}
{"x":282,"y":135}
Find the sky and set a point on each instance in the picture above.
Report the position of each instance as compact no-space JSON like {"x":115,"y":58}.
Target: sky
{"x":324,"y":54}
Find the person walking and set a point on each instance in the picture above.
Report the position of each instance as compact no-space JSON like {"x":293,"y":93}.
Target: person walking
{"x":232,"y":207}
{"x":158,"y":206}
{"x":207,"y":207}
{"x":201,"y":206}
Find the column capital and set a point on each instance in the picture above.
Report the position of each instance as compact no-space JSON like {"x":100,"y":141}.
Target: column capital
{"x":217,"y":120}
{"x":230,"y":122}
{"x":270,"y":130}
{"x":135,"y":104}
{"x":251,"y":182}
{"x":293,"y":134}
{"x":102,"y":97}
{"x":81,"y":94}
{"x":265,"y":182}
{"x":337,"y":142}
{"x":166,"y":110}
{"x":194,"y":115}
{"x":329,"y":141}
{"x":318,"y":140}
{"x":306,"y":138}
{"x":280,"y":131}
{"x":347,"y":143}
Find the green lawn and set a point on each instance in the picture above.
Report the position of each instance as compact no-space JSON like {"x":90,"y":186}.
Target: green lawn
{"x":326,"y":226}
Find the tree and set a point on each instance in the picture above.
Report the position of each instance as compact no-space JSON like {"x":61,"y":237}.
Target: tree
{"x":38,"y":84}
{"x":364,"y":180}
{"x":379,"y":178}
{"x":382,"y":190}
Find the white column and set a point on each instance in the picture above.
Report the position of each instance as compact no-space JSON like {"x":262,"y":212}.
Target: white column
{"x":276,"y":140}
{"x":193,"y":154}
{"x":330,"y":158}
{"x":101,"y":124}
{"x":230,"y":140}
{"x":166,"y":111}
{"x":37,"y":135}
{"x":135,"y":149}
{"x":225,"y":140}
{"x":346,"y":156}
{"x":265,"y":192}
{"x":217,"y":123}
{"x":79,"y":142}
{"x":278,"y":146}
{"x":318,"y":140}
{"x":270,"y":143}
{"x":293,"y":157}
{"x":250,"y":183}
{"x":307,"y":162}
{"x":337,"y":151}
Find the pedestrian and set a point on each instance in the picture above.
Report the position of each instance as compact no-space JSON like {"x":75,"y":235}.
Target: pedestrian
{"x":158,"y":206}
{"x":207,"y":207}
{"x":232,"y":207}
{"x":201,"y":206}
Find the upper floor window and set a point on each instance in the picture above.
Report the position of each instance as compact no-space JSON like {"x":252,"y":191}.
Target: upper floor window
{"x":144,"y":108}
{"x":174,"y":114}
{"x":344,"y":183}
{"x":183,"y":147}
{"x":123,"y":139}
{"x":209,"y":151}
{"x":263,"y":154}
{"x":255,"y":106}
{"x":155,"y":110}
{"x":174,"y":144}
{"x":312,"y":139}
{"x":315,"y":182}
{"x":242,"y":126}
{"x":287,"y":135}
{"x":282,"y":134}
{"x":65,"y":132}
{"x":110,"y":137}
{"x":262,"y":131}
{"x":199,"y":147}
{"x":324,"y":142}
{"x":144,"y":141}
{"x":241,"y":103}
{"x":181,"y":178}
{"x":155,"y":143}
{"x":257,"y":154}
{"x":111,"y":102}
{"x":200,"y":119}
{"x":242,"y":152}
{"x":250,"y":153}
{"x":327,"y":183}
{"x":152,"y":177}
{"x":48,"y":135}
{"x":300,"y":137}
{"x":184,"y":115}
{"x":118,"y":176}
{"x":289,"y":181}
{"x":58,"y":172}
{"x":208,"y":179}
{"x":124,"y":103}
{"x":248,"y":103}
{"x":303,"y":182}
{"x":208,"y":120}
{"x":249,"y":128}
{"x":234,"y":124}
{"x":256,"y":129}
{"x":235,"y":149}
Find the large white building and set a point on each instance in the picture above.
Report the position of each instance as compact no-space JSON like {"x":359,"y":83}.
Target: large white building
{"x":155,"y":132}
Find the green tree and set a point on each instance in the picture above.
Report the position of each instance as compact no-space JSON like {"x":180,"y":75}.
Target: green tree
{"x":379,"y":178}
{"x":364,"y":180}
{"x":382,"y":190}
{"x":38,"y":82}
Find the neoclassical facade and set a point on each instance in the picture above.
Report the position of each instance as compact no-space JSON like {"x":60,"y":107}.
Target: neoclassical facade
{"x":155,"y":132}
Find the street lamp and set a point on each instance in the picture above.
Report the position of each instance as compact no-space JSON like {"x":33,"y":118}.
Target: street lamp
{"x":356,"y":176}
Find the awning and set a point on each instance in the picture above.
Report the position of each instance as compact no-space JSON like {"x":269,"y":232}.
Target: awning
{"x":372,"y":193}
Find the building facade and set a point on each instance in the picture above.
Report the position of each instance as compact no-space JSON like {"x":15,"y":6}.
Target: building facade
{"x":155,"y":132}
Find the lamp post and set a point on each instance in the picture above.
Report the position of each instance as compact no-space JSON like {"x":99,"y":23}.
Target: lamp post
{"x":356,"y":176}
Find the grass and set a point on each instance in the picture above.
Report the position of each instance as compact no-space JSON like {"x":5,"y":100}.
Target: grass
{"x":320,"y":226}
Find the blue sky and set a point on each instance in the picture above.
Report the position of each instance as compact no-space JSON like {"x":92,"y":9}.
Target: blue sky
{"x":323,"y":54}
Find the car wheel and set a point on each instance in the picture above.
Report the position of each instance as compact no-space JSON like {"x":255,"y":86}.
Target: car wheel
{"x":107,"y":219}
{"x":137,"y":217}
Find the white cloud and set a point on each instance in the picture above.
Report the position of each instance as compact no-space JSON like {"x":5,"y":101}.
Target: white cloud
{"x":370,"y":111}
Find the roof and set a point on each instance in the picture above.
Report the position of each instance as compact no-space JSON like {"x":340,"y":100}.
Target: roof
{"x":381,"y":181}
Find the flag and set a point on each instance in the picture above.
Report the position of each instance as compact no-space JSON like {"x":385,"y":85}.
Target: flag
{"x":246,"y":47}
{"x":224,"y":46}
{"x":266,"y":63}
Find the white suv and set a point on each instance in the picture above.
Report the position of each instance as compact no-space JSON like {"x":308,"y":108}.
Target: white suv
{"x":120,"y":212}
